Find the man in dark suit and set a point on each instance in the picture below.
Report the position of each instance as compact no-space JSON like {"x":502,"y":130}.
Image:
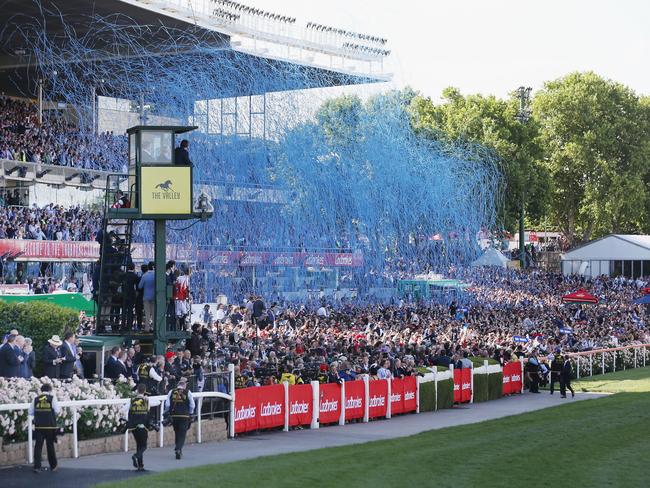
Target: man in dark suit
{"x":69,"y":356}
{"x":130,"y":290}
{"x":52,"y":357}
{"x":182,"y":154}
{"x":112,"y":369}
{"x":565,"y":378}
{"x":9,"y":360}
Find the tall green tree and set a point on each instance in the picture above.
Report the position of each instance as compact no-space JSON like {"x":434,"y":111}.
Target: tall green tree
{"x":491,"y":122}
{"x":595,"y":136}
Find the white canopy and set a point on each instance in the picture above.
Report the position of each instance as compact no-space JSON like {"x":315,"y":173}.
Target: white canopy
{"x":491,"y":257}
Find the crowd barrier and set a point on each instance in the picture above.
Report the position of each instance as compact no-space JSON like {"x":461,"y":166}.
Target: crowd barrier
{"x":315,"y":404}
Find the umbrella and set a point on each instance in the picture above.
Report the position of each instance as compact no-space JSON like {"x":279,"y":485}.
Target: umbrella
{"x":644,"y":300}
{"x":580,"y":296}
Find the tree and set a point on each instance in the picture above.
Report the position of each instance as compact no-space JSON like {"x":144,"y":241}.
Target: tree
{"x":595,"y":137}
{"x":491,"y":122}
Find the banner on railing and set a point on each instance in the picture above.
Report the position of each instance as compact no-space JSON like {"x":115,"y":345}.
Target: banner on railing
{"x":329,"y":403}
{"x":246,"y":407}
{"x":378,"y":398}
{"x":462,"y":385}
{"x":355,"y":399}
{"x":512,"y":378}
{"x":300,"y":405}
{"x":403,"y":396}
{"x":271,"y":411}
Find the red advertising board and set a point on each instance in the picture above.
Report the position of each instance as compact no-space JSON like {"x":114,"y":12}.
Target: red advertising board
{"x":396,"y":396}
{"x":378,"y":398}
{"x":409,"y":398}
{"x":329,"y":404}
{"x":271,"y":406}
{"x":246,"y":409}
{"x":300,"y":405}
{"x":462,"y":385}
{"x":512,"y":378}
{"x":355,"y":399}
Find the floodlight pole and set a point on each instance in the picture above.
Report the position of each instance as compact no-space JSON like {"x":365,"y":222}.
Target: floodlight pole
{"x":522,"y":116}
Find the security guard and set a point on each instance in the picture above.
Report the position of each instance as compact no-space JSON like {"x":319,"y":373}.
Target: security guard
{"x":180,"y":405}
{"x":565,"y":378}
{"x":556,"y":369}
{"x":138,"y":424}
{"x":45,"y":409}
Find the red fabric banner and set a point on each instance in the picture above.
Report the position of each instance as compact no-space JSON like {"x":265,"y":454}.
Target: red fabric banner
{"x":355,"y":399}
{"x":457,"y":384}
{"x":512,"y":378}
{"x":329,"y":403}
{"x":300,"y":405}
{"x":271,"y":406}
{"x":396,"y":396}
{"x":246,"y":409}
{"x":462,"y":385}
{"x":409,"y":400}
{"x":378,"y":398}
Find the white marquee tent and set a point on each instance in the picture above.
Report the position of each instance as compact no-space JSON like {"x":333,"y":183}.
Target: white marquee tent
{"x":614,"y":255}
{"x":491,"y":257}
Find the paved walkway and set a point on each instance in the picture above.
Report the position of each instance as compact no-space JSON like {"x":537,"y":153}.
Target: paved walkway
{"x":90,"y":470}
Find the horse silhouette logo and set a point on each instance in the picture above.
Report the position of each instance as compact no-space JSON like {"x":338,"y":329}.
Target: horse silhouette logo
{"x":166,"y":186}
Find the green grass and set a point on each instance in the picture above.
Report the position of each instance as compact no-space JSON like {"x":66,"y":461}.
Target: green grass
{"x":588,"y":443}
{"x":631,"y":381}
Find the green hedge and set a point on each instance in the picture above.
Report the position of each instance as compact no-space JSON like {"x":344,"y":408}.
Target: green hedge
{"x":478,"y":361}
{"x":445,"y":394}
{"x":495,"y":386}
{"x":488,"y":387}
{"x":38,"y":320}
{"x":428,"y":396}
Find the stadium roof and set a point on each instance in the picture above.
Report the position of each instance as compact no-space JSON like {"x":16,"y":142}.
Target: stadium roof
{"x":18,"y":64}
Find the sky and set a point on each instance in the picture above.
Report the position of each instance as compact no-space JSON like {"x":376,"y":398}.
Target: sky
{"x":493,"y":46}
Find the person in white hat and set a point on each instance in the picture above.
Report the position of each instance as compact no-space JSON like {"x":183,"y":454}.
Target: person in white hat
{"x":52,"y":357}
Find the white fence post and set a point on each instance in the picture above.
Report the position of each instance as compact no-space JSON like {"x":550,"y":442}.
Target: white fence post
{"x":126,"y":441}
{"x":286,"y":406}
{"x":591,"y":365}
{"x":578,"y":366}
{"x":30,"y":443}
{"x":161,"y":432}
{"x":342,"y":416}
{"x":521,"y":361}
{"x":644,"y":351}
{"x":602,"y":359}
{"x":75,"y":438}
{"x":389,"y":407}
{"x":315,"y":401}
{"x":635,"y":366}
{"x":366,"y":392}
{"x":199,"y":432}
{"x":435,"y":387}
{"x":417,"y":394}
{"x":471,"y":384}
{"x":614,"y":354}
{"x":231,"y":426}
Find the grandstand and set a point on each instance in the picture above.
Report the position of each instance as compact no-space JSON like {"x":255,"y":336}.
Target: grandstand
{"x":260,"y":45}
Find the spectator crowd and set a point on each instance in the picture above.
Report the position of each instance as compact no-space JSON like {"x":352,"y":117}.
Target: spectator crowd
{"x":55,"y":141}
{"x":52,"y":222}
{"x":506,"y":315}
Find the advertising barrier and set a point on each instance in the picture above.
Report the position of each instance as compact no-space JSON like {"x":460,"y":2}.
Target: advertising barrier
{"x":300,"y":405}
{"x":271,"y":406}
{"x":512,"y":378}
{"x":355,"y":399}
{"x":329,"y":403}
{"x":246,"y":409}
{"x":378,"y":398}
{"x":462,"y":385}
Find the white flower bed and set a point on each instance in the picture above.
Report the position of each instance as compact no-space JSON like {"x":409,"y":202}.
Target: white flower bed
{"x":93,"y":421}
